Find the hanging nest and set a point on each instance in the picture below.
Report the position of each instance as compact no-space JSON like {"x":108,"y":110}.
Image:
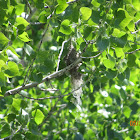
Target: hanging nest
{"x":76,"y":76}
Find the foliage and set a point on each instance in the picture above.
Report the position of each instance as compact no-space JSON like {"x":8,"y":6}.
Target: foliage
{"x":32,"y":33}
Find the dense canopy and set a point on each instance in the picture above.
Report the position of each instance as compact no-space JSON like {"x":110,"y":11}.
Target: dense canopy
{"x":70,"y":69}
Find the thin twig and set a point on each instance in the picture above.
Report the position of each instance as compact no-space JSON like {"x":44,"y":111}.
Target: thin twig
{"x":61,"y":51}
{"x":42,"y":89}
{"x":135,"y":32}
{"x":137,"y":22}
{"x":29,"y":6}
{"x":31,"y":14}
{"x":40,"y":43}
{"x":49,"y":114}
{"x":92,"y":56}
{"x":133,"y":42}
{"x":132,"y":51}
{"x":72,"y":1}
{"x":51,"y":97}
{"x":59,"y":96}
{"x":37,"y":23}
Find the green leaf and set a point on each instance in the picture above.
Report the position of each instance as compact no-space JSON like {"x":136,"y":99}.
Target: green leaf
{"x":95,"y":3}
{"x":131,"y":60}
{"x":61,"y":1}
{"x":38,"y":116}
{"x":136,"y":4}
{"x":65,"y":27}
{"x":127,"y":111}
{"x":122,"y":93}
{"x":86,"y":13}
{"x":11,"y":117}
{"x":12,"y":69}
{"x":12,"y":50}
{"x":33,"y":128}
{"x":21,"y":21}
{"x":23,"y":104}
{"x":24,"y":37}
{"x":62,"y":5}
{"x":88,"y":33}
{"x":16,"y":104}
{"x":2,"y":64}
{"x":19,"y":8}
{"x":102,"y":44}
{"x":126,"y":20}
{"x":111,"y":74}
{"x":119,"y":52}
{"x":118,"y":33}
{"x":3,"y":39}
{"x":42,"y":17}
{"x":109,"y":63}
{"x":2,"y":79}
{"x":120,"y":42}
{"x":5,"y":131}
{"x":38,"y":77}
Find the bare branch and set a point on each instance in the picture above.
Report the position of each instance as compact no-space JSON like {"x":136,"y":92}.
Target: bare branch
{"x":137,"y":22}
{"x":29,"y":6}
{"x":61,"y":51}
{"x":59,"y":96}
{"x":49,"y":114}
{"x":49,"y":89}
{"x":47,"y":78}
{"x":132,"y":51}
{"x":92,"y":56}
{"x":72,"y":1}
{"x":37,"y":23}
{"x":31,"y":14}
{"x":135,"y":32}
{"x":133,"y":42}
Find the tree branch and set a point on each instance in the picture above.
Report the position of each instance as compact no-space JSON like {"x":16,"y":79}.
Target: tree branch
{"x":61,"y":51}
{"x":92,"y":56}
{"x":47,"y":78}
{"x":132,"y":51}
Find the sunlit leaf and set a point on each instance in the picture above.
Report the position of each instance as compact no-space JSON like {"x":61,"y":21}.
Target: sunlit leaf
{"x":86,"y":13}
{"x":118,"y":33}
{"x":109,"y":63}
{"x":24,"y":37}
{"x":16,"y":104}
{"x":3,"y":39}
{"x":38,"y":116}
{"x":21,"y":21}
{"x":65,"y":27}
{"x":12,"y":69}
{"x":19,"y":8}
{"x":127,"y":111}
{"x":62,"y":5}
{"x":119,"y":52}
{"x":2,"y":79}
